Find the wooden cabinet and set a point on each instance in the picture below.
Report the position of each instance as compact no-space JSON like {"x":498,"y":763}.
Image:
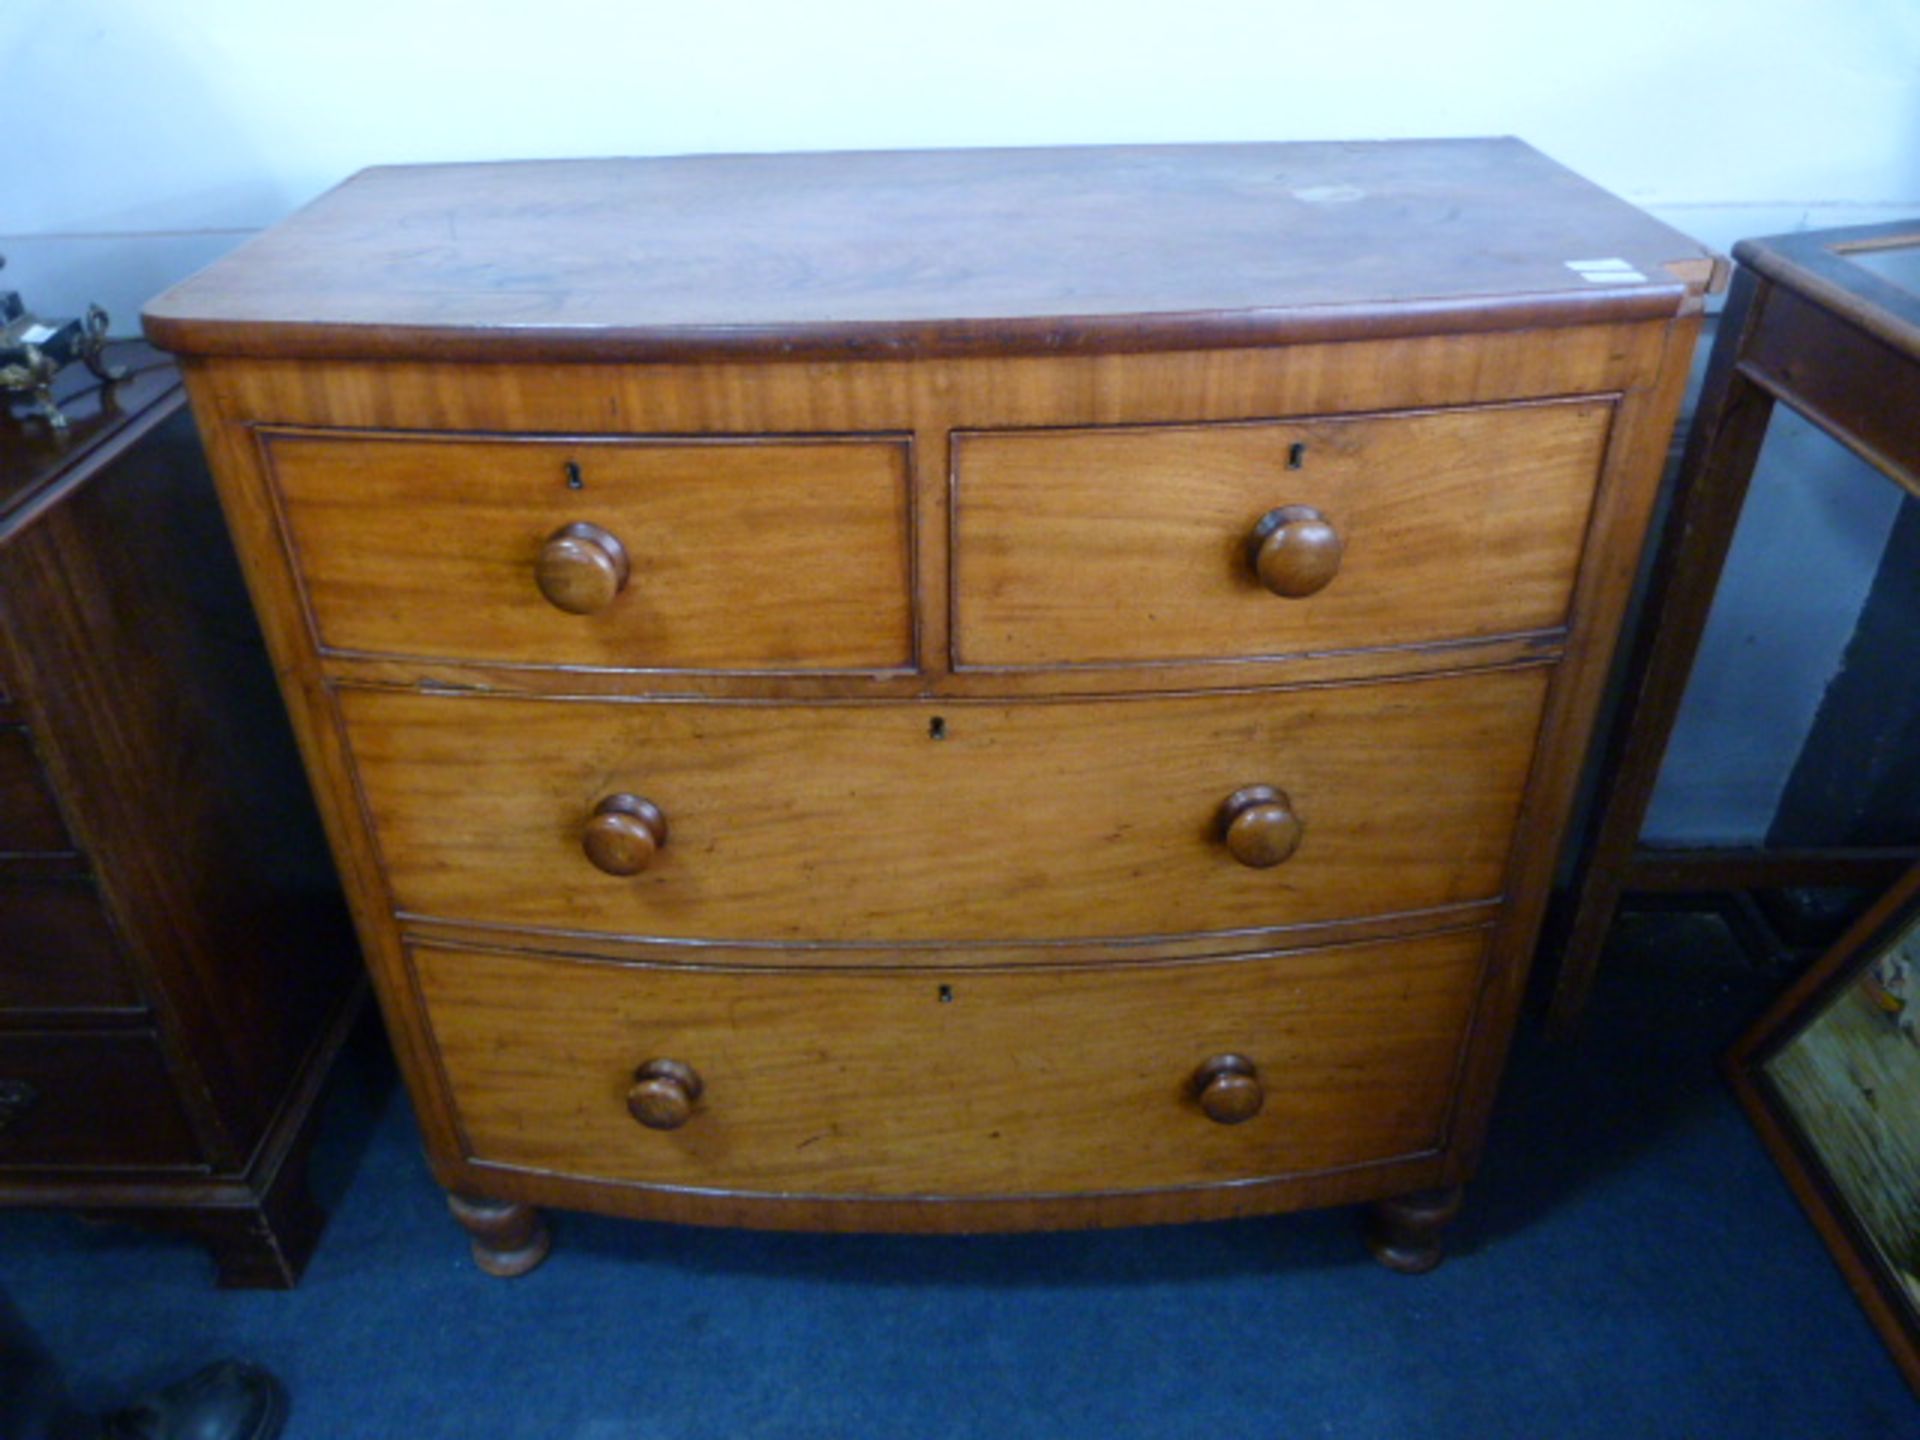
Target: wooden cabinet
{"x":176,"y":970}
{"x":947,"y":691}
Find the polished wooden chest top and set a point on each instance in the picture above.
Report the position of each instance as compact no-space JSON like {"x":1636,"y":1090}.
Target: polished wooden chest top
{"x":954,"y":690}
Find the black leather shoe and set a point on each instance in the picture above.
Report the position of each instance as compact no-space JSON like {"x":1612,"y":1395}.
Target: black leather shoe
{"x":231,"y":1400}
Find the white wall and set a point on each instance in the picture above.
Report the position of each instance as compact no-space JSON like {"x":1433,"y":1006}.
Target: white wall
{"x":158,"y":131}
{"x":149,"y":136}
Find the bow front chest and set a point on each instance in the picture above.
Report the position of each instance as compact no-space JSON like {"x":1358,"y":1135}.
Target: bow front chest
{"x":947,"y":691}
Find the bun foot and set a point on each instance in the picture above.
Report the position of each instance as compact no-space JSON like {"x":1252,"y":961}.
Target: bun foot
{"x":508,"y":1239}
{"x":1404,"y":1232}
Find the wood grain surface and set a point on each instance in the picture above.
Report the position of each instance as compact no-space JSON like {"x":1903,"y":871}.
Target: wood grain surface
{"x":932,"y":252}
{"x":928,"y":399}
{"x":30,"y":822}
{"x":957,"y":905}
{"x":1131,"y":544}
{"x":932,"y":397}
{"x":61,"y":955}
{"x":1629,"y":491}
{"x":1832,"y":269}
{"x":152,"y":708}
{"x":751,"y":554}
{"x":1829,"y":366}
{"x":856,"y":822}
{"x":38,"y":465}
{"x":176,"y":985}
{"x":931,"y":1082}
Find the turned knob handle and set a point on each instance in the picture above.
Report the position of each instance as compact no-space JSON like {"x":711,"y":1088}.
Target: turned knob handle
{"x":582,"y":568}
{"x":663,"y":1094}
{"x":1258,"y":826}
{"x":1228,"y":1089}
{"x":1295,"y":551}
{"x":623,"y":834}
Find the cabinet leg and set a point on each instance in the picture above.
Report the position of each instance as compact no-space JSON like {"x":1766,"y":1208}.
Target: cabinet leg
{"x":265,"y":1248}
{"x":258,"y":1241}
{"x":508,"y":1239}
{"x":1404,"y":1232}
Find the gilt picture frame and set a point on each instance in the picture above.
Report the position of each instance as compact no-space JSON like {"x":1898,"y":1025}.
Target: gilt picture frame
{"x":1831,"y":1078}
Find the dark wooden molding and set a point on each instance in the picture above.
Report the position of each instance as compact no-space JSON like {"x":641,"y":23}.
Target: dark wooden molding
{"x":1836,"y":373}
{"x":1814,"y":264}
{"x":1667,"y":868}
{"x":1806,"y":328}
{"x":1881,"y":1293}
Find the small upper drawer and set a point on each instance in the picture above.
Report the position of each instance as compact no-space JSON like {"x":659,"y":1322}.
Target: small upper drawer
{"x":1139,"y":544}
{"x":689,"y":554}
{"x":30,"y":821}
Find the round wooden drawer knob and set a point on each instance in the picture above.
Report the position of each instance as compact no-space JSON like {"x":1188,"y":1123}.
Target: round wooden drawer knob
{"x":1228,"y":1089}
{"x":623,"y":834}
{"x":1258,"y":826}
{"x":582,"y":568}
{"x":663,"y":1094}
{"x":1295,"y":551}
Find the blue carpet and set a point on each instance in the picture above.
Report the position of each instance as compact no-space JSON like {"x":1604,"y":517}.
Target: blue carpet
{"x":1630,"y":1264}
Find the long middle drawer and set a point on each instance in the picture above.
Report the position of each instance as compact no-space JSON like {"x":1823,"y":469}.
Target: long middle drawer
{"x":925,"y":821}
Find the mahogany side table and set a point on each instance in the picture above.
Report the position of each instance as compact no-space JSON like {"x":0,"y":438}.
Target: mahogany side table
{"x":1824,"y":322}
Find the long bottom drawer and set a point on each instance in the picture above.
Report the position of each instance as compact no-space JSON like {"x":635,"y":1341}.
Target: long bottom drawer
{"x":962,"y":1083}
{"x":85,"y":1101}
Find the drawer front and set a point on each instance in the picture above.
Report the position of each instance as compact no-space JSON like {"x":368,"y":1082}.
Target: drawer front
{"x":737,"y":554}
{"x":854,"y":823}
{"x":1134,"y":545}
{"x":963,"y":1083}
{"x":59,"y":952}
{"x":76,"y":1100}
{"x":30,"y":821}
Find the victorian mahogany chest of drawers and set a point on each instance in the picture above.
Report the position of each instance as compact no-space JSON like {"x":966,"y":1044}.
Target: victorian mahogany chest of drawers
{"x":947,"y":691}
